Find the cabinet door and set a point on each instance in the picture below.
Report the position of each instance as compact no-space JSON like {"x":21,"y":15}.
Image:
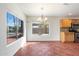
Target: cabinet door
{"x":69,"y":36}
{"x":65,"y":23}
{"x":62,"y":36}
{"x":75,"y":21}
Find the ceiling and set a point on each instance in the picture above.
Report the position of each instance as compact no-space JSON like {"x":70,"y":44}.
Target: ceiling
{"x":50,"y":9}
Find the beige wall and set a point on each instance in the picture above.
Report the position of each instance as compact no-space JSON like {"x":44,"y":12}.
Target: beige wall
{"x":54,"y":30}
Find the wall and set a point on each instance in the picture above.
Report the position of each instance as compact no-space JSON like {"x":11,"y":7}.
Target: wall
{"x":10,"y":49}
{"x":54,"y":30}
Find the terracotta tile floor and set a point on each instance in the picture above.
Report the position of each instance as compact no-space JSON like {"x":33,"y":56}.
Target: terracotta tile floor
{"x":49,"y":49}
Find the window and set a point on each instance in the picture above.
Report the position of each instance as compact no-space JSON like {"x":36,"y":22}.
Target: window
{"x":11,"y":28}
{"x":19,"y":28}
{"x":14,"y":28}
{"x":40,"y":28}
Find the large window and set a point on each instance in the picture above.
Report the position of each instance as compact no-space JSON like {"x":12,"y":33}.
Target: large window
{"x":14,"y":28}
{"x":40,"y":28}
{"x":11,"y":28}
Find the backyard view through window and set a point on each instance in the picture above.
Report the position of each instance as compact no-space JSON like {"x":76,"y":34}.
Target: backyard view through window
{"x":14,"y":28}
{"x":40,"y":28}
{"x":11,"y":28}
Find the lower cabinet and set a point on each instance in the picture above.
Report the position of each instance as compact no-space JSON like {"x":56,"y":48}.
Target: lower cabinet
{"x":67,"y":36}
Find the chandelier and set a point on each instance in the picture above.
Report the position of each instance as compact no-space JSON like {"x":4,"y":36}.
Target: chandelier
{"x":43,"y":26}
{"x":42,"y":19}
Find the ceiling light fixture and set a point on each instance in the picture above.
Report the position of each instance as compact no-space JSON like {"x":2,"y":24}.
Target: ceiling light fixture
{"x":43,"y":26}
{"x":42,"y":18}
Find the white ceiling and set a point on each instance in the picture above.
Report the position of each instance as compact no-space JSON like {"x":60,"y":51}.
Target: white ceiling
{"x":50,"y":9}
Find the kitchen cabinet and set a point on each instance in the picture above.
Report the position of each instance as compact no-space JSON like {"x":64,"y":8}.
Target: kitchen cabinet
{"x":65,"y":23}
{"x":67,"y":36}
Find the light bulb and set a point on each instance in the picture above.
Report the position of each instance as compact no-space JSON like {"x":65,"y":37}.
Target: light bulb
{"x":39,"y":19}
{"x":45,"y":18}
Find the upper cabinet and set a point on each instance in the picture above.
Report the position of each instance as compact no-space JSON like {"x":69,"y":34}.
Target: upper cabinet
{"x":65,"y":23}
{"x":75,"y":21}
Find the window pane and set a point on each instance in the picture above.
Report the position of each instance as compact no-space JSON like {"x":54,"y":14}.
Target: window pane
{"x":11,"y":28}
{"x":19,"y":28}
{"x":39,"y":28}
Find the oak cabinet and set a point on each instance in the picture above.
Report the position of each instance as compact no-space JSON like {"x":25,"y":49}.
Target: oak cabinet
{"x":65,"y":23}
{"x":67,"y":36}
